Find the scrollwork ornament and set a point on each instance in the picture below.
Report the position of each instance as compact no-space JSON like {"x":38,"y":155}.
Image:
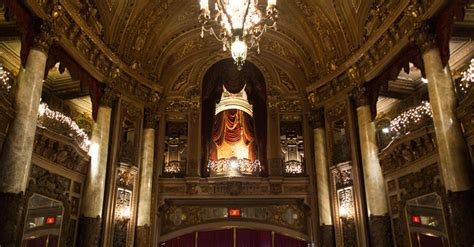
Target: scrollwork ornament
{"x":359,"y":95}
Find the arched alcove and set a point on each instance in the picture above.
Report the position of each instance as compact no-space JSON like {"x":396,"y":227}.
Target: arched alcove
{"x":225,"y":73}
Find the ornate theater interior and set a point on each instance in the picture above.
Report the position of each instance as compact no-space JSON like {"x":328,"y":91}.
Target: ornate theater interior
{"x":236,"y":123}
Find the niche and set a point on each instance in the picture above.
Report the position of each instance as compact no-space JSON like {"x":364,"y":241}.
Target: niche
{"x":291,"y":140}
{"x":426,"y":223}
{"x":44,"y":220}
{"x":175,"y":155}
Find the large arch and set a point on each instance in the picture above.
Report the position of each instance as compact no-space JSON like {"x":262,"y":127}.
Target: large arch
{"x":238,"y":224}
{"x":225,"y":73}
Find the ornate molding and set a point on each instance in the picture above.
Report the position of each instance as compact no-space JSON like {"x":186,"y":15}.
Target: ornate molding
{"x":151,"y":118}
{"x":81,"y":40}
{"x":108,"y":97}
{"x":288,"y":214}
{"x":359,"y":95}
{"x":337,"y":110}
{"x":60,"y":152}
{"x":370,"y":59}
{"x":410,"y":149}
{"x":316,"y":118}
{"x":45,"y":38}
{"x":424,"y":39}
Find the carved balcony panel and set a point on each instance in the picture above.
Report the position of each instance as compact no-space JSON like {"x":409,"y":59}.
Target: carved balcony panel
{"x":60,"y":150}
{"x":178,"y":214}
{"x":465,"y":110}
{"x":409,"y":149}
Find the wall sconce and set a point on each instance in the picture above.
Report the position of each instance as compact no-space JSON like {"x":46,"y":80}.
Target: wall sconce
{"x":123,"y":213}
{"x":346,"y":212}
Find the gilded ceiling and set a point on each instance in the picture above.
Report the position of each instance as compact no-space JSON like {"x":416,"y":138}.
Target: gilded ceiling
{"x":161,"y":37}
{"x":152,"y":48}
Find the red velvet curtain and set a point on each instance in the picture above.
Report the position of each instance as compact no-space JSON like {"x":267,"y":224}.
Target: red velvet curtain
{"x":230,"y":126}
{"x":221,"y":238}
{"x":253,"y":238}
{"x":187,"y":240}
{"x":225,"y":72}
{"x":284,"y":241}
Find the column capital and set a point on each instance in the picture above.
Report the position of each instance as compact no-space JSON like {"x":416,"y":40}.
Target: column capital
{"x":316,"y":118}
{"x":45,"y":37}
{"x":151,"y":118}
{"x":107,"y":96}
{"x":48,"y":32}
{"x":359,"y":94}
{"x":424,"y":38}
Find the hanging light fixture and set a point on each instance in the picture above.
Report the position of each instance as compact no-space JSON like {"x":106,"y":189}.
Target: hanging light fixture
{"x":238,"y":24}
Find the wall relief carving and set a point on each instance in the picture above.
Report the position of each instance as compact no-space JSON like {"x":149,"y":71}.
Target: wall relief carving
{"x":60,"y":152}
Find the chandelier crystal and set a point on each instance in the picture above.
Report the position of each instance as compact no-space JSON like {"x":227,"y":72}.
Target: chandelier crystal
{"x":238,"y":24}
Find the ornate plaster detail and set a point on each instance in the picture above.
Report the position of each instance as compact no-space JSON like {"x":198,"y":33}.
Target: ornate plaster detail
{"x":151,"y":118}
{"x":359,"y":94}
{"x":286,"y":81}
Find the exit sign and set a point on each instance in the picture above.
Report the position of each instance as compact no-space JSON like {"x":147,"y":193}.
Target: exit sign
{"x":50,"y":220}
{"x":234,"y":212}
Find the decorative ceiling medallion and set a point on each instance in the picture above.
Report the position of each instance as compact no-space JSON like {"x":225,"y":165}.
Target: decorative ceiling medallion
{"x":238,"y":24}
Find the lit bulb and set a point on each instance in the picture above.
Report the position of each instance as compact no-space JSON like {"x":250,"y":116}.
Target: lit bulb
{"x":234,"y":164}
{"x":271,"y":3}
{"x":343,"y":212}
{"x":239,"y":52}
{"x":204,"y":5}
{"x":386,"y":130}
{"x":424,"y":80}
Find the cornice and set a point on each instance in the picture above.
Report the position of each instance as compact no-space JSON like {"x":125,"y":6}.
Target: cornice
{"x":377,"y":53}
{"x":88,"y":49}
{"x":371,"y":46}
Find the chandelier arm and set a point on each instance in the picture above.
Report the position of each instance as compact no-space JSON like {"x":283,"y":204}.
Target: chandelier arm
{"x":245,"y":17}
{"x":211,"y":31}
{"x":221,"y":6}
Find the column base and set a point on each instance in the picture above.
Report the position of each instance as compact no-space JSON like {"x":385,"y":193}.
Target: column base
{"x":142,"y":236}
{"x":89,"y":230}
{"x":327,"y":235}
{"x":380,"y":231}
{"x":461,"y":217}
{"x":11,"y":227}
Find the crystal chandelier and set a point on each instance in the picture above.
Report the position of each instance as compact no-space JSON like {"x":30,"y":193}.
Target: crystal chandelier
{"x":238,"y":24}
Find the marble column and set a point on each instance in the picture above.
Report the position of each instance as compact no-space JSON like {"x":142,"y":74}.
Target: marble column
{"x":194,"y":156}
{"x":145,"y":212}
{"x":90,"y":220}
{"x":454,"y":160}
{"x":15,"y":160}
{"x":376,"y":198}
{"x":326,"y":227}
{"x":273,"y":142}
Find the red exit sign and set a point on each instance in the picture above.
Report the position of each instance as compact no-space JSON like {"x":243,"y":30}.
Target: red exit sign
{"x":416,"y":219}
{"x":50,"y":220}
{"x":234,"y":212}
